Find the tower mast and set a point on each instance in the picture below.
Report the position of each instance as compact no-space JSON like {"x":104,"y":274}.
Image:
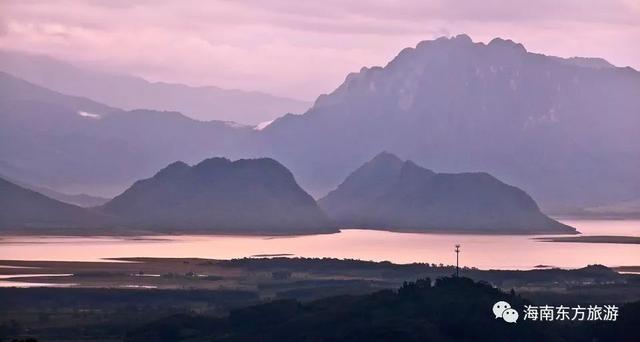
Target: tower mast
{"x":457,"y":250}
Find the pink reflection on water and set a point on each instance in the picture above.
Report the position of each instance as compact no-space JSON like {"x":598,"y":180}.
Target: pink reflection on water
{"x":482,"y":251}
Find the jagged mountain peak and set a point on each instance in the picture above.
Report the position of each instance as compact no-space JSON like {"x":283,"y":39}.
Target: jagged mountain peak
{"x":212,"y":164}
{"x":506,"y":44}
{"x":173,"y":168}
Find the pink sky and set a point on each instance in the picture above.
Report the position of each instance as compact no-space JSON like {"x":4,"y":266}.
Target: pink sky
{"x":301,"y":48}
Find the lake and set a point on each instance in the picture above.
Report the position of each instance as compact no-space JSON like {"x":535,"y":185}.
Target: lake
{"x":482,"y":251}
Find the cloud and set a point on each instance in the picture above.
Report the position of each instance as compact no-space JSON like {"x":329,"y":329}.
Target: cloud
{"x":300,"y":48}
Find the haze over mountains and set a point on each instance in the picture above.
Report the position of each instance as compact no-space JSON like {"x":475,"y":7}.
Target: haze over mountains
{"x":129,"y":92}
{"x":388,"y":193}
{"x":566,"y":131}
{"x":14,"y":89}
{"x":74,"y":144}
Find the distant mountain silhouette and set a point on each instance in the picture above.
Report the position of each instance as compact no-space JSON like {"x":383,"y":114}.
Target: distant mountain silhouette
{"x":19,"y":90}
{"x":218,"y":195}
{"x":81,"y":200}
{"x":129,"y":92}
{"x":388,"y":193}
{"x":72,"y":144}
{"x":565,"y":130}
{"x":629,"y":209}
{"x":21,"y":208}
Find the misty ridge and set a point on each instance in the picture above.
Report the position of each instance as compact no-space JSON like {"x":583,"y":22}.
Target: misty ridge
{"x":566,"y":131}
{"x":129,"y":92}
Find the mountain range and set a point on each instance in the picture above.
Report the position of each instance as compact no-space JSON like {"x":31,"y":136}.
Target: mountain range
{"x":261,"y":196}
{"x":73,"y":144}
{"x":392,"y":194}
{"x":566,"y":131}
{"x":14,"y":89}
{"x":130,"y":92}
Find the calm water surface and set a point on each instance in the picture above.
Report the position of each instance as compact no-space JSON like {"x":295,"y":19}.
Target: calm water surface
{"x":482,"y":251}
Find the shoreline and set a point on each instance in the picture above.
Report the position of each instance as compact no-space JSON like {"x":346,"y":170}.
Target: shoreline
{"x":613,"y":239}
{"x":122,"y":233}
{"x":137,"y":232}
{"x":203,"y":273}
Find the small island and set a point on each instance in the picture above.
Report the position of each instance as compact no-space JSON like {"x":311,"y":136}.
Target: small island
{"x":593,"y":239}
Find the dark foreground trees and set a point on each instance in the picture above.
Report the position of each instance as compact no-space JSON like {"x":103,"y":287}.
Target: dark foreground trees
{"x":450,"y":309}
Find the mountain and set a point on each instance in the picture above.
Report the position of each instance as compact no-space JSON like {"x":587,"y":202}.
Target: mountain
{"x":218,"y":195}
{"x":81,"y":200}
{"x":21,"y":209}
{"x":18,"y":90}
{"x":128,"y":92}
{"x":388,"y":193}
{"x":72,"y":144}
{"x":565,"y":133}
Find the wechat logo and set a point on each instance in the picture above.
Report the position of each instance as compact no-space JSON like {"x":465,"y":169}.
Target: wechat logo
{"x":503,"y":310}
